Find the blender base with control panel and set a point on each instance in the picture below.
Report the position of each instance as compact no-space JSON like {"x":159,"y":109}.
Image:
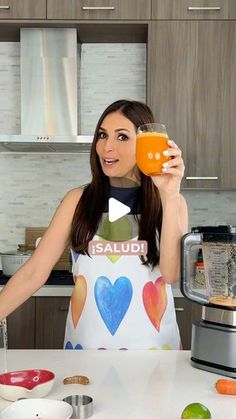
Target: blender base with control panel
{"x":213,"y":345}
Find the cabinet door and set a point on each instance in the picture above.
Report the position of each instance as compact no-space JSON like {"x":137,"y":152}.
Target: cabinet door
{"x":193,"y":9}
{"x":22,"y":9}
{"x":192,"y":74}
{"x":98,"y":9}
{"x":186,"y":314}
{"x":51,"y":313}
{"x":21,"y":326}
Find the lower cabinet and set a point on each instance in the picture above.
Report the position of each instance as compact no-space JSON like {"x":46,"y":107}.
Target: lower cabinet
{"x":21,"y":326}
{"x":187,"y":313}
{"x":51,"y":313}
{"x":39,"y":323}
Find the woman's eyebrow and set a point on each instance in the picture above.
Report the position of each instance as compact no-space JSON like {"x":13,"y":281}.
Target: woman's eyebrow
{"x":116,"y":130}
{"x":121,"y":129}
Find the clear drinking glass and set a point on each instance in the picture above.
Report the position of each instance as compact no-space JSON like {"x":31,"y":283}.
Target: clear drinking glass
{"x":152,"y":140}
{"x":3,"y":347}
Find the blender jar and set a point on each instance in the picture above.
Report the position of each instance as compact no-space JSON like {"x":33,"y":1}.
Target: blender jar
{"x":220,"y":271}
{"x":218,"y":280}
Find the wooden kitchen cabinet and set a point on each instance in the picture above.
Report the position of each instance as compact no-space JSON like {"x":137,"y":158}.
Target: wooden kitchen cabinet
{"x":191,"y":79}
{"x":193,"y":9}
{"x":51,"y":313}
{"x":21,"y":326}
{"x":39,"y":323}
{"x":99,"y":9}
{"x":187,"y":312}
{"x":22,"y":9}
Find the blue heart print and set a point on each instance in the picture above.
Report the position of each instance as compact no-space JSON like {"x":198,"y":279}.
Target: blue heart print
{"x":70,"y":346}
{"x":113,"y":300}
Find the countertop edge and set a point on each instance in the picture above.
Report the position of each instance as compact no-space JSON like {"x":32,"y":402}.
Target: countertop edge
{"x":66,"y":291}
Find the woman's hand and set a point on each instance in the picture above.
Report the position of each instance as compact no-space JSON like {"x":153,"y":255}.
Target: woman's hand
{"x":169,"y":181}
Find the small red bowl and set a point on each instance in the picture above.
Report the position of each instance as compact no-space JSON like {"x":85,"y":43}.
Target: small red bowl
{"x":26,"y":383}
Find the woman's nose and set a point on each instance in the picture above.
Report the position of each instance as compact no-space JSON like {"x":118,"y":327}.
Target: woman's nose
{"x":109,"y":144}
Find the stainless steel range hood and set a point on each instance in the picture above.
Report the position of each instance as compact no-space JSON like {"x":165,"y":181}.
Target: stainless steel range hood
{"x":48,"y":94}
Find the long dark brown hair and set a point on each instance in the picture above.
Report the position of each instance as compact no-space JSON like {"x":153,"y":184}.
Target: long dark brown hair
{"x":91,"y":205}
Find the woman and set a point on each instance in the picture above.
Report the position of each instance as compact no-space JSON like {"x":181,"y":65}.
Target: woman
{"x":117,"y":302}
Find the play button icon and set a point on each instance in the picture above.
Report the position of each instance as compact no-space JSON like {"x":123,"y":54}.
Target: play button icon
{"x":116,"y":209}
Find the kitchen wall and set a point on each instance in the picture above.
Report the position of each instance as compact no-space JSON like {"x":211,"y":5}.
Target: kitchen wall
{"x":32,"y":185}
{"x":109,"y":72}
{"x":106,"y":72}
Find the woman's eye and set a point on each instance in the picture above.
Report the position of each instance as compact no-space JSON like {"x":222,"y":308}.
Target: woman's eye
{"x":122,"y":137}
{"x":102,"y":135}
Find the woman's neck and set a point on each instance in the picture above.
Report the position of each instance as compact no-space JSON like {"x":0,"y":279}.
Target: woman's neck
{"x":123,"y":182}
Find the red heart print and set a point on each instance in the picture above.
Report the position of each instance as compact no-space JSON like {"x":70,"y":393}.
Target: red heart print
{"x":155,"y":301}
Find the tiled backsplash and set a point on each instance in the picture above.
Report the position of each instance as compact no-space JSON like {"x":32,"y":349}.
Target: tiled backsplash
{"x":211,"y":207}
{"x":109,"y":72}
{"x":32,"y":185}
{"x":9,"y":88}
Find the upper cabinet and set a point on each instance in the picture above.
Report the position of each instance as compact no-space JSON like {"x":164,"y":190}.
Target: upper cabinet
{"x":193,"y":9}
{"x":192,"y":74}
{"x":99,"y":9}
{"x":22,"y":9}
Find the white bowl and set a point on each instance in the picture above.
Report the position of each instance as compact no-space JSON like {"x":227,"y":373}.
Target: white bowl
{"x":26,"y":383}
{"x":37,"y":409}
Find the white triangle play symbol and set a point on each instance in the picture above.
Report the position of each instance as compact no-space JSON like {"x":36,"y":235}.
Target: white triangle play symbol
{"x":116,"y":209}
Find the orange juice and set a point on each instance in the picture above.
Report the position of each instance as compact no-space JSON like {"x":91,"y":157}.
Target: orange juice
{"x":149,"y":152}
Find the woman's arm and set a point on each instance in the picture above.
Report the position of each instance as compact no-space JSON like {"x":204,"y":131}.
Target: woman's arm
{"x":34,"y":273}
{"x":174,"y":226}
{"x":175,"y":213}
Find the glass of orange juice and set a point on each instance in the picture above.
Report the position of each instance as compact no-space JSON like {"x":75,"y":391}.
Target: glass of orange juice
{"x":152,"y":140}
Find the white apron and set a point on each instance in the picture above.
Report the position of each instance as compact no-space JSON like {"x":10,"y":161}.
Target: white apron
{"x":117,"y":303}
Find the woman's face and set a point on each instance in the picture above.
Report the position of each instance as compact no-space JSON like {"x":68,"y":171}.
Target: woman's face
{"x":116,"y":146}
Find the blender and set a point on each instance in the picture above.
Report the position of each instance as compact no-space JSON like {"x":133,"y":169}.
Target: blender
{"x":213,"y":345}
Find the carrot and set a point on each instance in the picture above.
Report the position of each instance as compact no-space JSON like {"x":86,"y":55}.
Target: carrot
{"x":226,"y":386}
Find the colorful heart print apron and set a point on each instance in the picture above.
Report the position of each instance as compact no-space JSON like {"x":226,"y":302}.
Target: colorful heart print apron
{"x":118,"y":303}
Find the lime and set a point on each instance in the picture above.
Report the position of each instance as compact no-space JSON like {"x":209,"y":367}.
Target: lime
{"x":196,"y":411}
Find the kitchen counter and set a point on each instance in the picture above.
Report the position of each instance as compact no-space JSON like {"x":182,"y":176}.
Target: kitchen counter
{"x":66,"y":291}
{"x":60,"y":284}
{"x":129,"y":384}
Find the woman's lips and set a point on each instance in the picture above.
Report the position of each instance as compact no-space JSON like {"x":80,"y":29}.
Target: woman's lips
{"x":109,"y":162}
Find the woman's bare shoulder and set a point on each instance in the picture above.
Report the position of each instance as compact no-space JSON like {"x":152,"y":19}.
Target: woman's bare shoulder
{"x":69,"y":203}
{"x":74,"y":195}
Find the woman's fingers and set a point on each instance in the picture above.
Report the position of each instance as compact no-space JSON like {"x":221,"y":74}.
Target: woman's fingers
{"x":174,"y":171}
{"x":175,"y":165}
{"x":173,"y":150}
{"x":176,"y":161}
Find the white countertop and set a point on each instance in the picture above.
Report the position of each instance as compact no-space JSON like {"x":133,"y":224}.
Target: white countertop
{"x":129,"y":384}
{"x":66,"y":291}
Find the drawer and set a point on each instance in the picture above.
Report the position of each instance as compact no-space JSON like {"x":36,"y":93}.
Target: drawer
{"x":99,"y":9}
{"x":194,"y":9}
{"x":22,"y":9}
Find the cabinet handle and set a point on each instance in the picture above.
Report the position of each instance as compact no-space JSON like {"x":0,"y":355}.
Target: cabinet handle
{"x":62,"y":308}
{"x":179,"y":309}
{"x":201,"y":178}
{"x":203,"y":9}
{"x":98,"y":8}
{"x":5,"y":7}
